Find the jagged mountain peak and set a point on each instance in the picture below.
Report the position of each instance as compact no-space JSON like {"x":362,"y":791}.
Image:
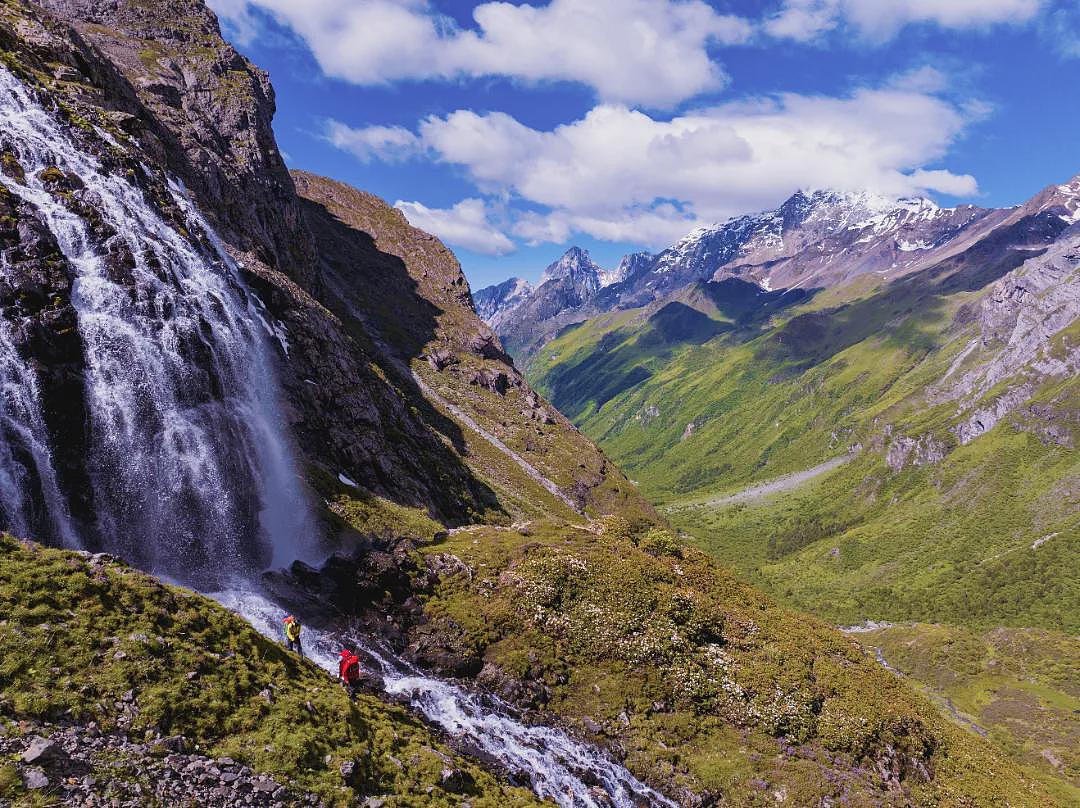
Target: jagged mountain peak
{"x":494,"y":302}
{"x":573,"y":263}
{"x":1065,"y":197}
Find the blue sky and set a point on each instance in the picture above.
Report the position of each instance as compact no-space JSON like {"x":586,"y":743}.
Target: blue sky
{"x":513,"y":131}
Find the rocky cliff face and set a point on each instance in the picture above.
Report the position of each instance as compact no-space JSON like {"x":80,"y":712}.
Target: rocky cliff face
{"x":566,"y":290}
{"x":405,"y":292}
{"x":1023,"y":341}
{"x":205,"y":114}
{"x":153,"y":84}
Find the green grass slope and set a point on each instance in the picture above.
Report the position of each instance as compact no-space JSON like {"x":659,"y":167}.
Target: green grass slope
{"x":1019,"y":686}
{"x":848,"y":371}
{"x":980,"y":536}
{"x":77,"y":637}
{"x":699,"y":681}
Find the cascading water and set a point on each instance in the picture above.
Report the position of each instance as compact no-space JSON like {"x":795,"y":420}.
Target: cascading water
{"x":27,"y":476}
{"x":558,"y":767}
{"x":191,"y":475}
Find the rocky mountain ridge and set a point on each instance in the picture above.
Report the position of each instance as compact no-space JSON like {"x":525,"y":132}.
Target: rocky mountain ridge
{"x":494,"y":302}
{"x":815,"y":240}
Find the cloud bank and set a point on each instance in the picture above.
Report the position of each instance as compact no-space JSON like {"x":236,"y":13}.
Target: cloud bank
{"x":466,"y":224}
{"x":806,"y":20}
{"x":641,"y":52}
{"x":621,"y":174}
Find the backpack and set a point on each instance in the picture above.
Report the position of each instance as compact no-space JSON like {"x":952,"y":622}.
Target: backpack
{"x":352,"y":669}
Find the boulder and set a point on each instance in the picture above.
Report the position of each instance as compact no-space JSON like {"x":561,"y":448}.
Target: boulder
{"x":35,"y":779}
{"x":42,"y":750}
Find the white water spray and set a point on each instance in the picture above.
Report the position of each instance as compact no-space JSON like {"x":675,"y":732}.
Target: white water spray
{"x":26,"y":467}
{"x":191,"y":475}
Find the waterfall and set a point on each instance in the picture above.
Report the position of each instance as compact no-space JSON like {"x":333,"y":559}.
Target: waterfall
{"x":557,"y":766}
{"x":191,"y":475}
{"x":27,"y":476}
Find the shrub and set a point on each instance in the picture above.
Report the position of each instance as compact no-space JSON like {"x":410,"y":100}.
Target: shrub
{"x":659,"y":542}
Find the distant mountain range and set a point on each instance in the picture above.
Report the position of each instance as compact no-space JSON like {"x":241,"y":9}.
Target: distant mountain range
{"x":814,"y":240}
{"x":869,"y":408}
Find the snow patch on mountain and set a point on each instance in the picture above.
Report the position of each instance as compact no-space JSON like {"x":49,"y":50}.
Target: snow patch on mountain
{"x":493,"y":303}
{"x":1070,"y":197}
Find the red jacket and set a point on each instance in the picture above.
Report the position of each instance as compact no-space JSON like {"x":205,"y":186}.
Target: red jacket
{"x":349,"y":668}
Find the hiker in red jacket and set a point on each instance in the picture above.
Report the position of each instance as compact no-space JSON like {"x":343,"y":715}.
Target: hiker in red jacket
{"x":349,"y":673}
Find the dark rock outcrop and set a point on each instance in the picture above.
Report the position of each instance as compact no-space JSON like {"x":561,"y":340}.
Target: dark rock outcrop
{"x":207,"y":110}
{"x":78,"y":765}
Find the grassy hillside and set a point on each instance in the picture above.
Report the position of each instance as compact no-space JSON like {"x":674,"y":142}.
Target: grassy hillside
{"x":981,"y":535}
{"x":78,"y":636}
{"x":1021,"y":687}
{"x":988,"y":537}
{"x":699,"y":681}
{"x":947,"y":537}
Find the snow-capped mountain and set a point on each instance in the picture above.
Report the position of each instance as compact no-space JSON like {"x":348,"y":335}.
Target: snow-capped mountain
{"x":567,"y":287}
{"x":493,"y":303}
{"x":577,"y":267}
{"x":815,"y":239}
{"x":818,"y":238}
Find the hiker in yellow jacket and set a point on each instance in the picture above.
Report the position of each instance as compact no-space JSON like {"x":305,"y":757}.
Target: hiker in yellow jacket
{"x":292,"y":635}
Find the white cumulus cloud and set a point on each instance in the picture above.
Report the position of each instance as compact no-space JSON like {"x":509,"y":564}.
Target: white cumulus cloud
{"x":620,"y":174}
{"x":467,"y":224}
{"x":805,"y":20}
{"x":386,"y":143}
{"x":649,"y":52}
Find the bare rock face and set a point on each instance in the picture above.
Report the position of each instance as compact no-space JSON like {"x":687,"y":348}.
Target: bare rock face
{"x":212,"y":112}
{"x":1020,"y":341}
{"x":495,"y":303}
{"x":923,"y":451}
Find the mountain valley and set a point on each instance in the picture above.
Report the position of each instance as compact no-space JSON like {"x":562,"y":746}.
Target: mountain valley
{"x":916,"y":409}
{"x":231,"y":391}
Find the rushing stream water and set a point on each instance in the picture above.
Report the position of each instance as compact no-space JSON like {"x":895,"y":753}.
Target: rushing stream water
{"x":557,"y":766}
{"x":191,"y":472}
